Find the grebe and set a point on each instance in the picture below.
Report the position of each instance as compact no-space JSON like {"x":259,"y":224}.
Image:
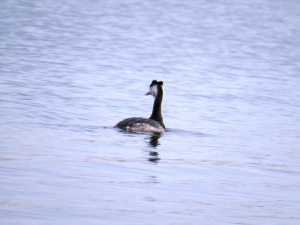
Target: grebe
{"x":155,"y":123}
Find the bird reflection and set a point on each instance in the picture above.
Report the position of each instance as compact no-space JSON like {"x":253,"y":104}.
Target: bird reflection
{"x":154,"y":140}
{"x":153,"y":143}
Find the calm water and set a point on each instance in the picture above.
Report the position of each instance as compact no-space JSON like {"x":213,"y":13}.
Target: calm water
{"x":70,"y":70}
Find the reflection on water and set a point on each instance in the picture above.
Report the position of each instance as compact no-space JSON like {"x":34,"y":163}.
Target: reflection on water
{"x":154,"y":140}
{"x":153,"y":143}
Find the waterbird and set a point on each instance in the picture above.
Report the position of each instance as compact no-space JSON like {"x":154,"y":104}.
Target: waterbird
{"x":155,"y":123}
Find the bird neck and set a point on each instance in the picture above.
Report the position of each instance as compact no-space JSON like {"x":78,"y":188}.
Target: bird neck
{"x":156,"y":112}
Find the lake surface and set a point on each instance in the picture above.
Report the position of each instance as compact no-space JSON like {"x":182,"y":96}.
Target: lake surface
{"x":70,"y":70}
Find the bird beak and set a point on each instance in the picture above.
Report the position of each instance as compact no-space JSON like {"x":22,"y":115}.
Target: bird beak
{"x":148,"y":93}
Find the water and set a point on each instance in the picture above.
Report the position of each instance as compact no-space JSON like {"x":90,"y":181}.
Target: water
{"x":70,"y":70}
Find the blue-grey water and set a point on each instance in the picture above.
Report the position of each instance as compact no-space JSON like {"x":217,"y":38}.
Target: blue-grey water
{"x":70,"y":70}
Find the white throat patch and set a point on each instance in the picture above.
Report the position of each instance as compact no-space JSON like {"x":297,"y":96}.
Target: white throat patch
{"x":153,"y":90}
